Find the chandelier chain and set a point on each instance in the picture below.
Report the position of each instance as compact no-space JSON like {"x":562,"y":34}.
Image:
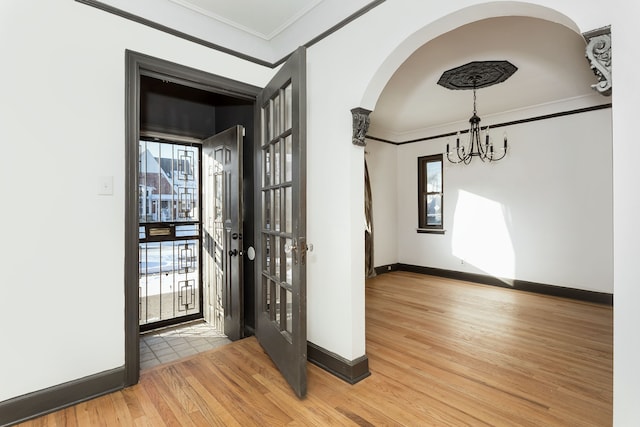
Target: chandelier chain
{"x":475,"y":111}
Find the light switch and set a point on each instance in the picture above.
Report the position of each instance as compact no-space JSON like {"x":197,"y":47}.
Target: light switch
{"x":105,"y":185}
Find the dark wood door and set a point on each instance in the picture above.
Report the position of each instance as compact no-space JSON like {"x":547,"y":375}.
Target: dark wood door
{"x":281,"y":311}
{"x":222,"y":231}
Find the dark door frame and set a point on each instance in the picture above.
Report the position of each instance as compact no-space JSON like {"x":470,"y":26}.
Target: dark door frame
{"x":136,"y":65}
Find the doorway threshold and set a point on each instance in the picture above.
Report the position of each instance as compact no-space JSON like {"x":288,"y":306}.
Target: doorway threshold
{"x":168,"y":344}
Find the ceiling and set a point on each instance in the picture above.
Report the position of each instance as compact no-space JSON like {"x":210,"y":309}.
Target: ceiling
{"x":552,"y":70}
{"x":262,"y":31}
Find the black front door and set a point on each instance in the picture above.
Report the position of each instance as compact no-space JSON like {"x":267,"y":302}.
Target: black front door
{"x":222,"y":231}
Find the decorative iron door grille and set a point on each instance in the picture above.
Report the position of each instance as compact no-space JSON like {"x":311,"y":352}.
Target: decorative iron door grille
{"x":170,"y":288}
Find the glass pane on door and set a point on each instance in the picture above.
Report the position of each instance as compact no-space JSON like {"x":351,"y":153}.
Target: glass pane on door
{"x":169,"y":280}
{"x":277,"y":210}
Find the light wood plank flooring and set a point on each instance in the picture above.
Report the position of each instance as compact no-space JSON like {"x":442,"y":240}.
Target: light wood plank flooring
{"x":441,"y":352}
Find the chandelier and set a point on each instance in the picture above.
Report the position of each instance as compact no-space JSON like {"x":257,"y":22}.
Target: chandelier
{"x":475,"y":75}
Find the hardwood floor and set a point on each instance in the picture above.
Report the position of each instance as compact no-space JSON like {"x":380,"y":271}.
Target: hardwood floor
{"x":441,"y":352}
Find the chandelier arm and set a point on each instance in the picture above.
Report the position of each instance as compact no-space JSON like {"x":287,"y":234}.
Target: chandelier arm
{"x":456,"y":153}
{"x":449,"y":156}
{"x":481,"y":148}
{"x":483,"y":156}
{"x":504,"y":153}
{"x":454,"y":161}
{"x":487,"y":142}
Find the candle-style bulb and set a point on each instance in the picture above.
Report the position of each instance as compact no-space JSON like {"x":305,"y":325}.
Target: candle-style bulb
{"x":505,"y":140}
{"x":458,"y":140}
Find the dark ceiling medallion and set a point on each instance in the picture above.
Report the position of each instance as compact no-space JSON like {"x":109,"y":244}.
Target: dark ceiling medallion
{"x":477,"y":74}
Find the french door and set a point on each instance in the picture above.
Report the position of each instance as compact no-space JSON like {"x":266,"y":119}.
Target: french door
{"x":281,"y":321}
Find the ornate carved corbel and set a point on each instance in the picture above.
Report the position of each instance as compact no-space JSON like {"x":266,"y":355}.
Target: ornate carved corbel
{"x":360,"y":125}
{"x":599,"y":56}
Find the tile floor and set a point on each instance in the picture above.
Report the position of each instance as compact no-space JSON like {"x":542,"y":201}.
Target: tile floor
{"x":175,"y":342}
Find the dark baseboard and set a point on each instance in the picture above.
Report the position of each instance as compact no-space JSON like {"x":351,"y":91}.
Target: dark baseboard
{"x":521,"y":285}
{"x":350,"y":371}
{"x":386,"y":268}
{"x":51,"y":399}
{"x":42,"y":402}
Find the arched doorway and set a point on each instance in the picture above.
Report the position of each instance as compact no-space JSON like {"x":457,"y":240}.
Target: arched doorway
{"x":549,"y":95}
{"x":495,"y":215}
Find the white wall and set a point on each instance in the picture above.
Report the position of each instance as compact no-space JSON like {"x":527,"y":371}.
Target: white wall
{"x":62,"y":120}
{"x":548,"y":205}
{"x":542,"y":214}
{"x":626,"y":205}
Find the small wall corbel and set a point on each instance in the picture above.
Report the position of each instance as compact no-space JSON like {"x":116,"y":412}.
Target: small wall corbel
{"x":360,"y":125}
{"x":598,"y":53}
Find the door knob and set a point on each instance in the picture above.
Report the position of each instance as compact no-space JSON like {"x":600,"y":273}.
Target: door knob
{"x":251,"y":253}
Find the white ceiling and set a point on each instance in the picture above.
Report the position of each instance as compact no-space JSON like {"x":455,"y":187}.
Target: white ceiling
{"x":551,"y":63}
{"x":552,"y":69}
{"x":272,"y":17}
{"x":265,"y":31}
